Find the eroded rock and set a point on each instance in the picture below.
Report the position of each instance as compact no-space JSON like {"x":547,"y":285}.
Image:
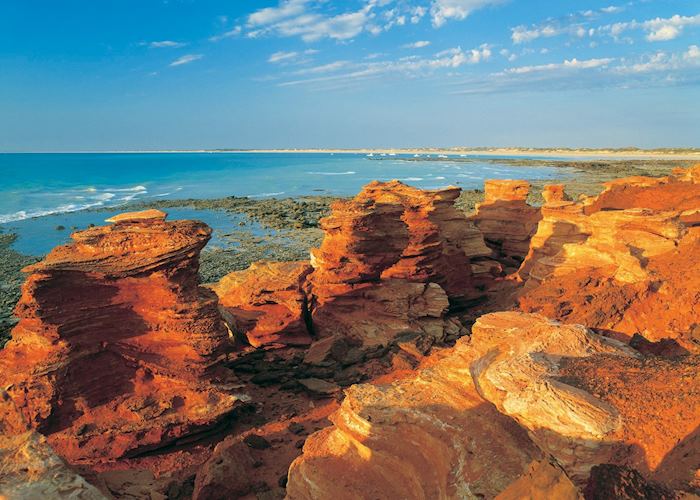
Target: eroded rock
{"x":117,"y":346}
{"x":267,"y":303}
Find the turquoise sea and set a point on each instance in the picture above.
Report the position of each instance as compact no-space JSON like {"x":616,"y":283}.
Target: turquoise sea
{"x":39,"y":192}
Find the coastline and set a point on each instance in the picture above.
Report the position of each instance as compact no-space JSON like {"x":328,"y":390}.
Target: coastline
{"x":294,"y":221}
{"x":663,"y":153}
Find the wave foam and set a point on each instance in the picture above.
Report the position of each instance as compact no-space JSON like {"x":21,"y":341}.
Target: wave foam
{"x":349,"y":172}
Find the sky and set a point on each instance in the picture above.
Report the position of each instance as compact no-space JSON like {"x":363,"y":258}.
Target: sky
{"x":186,"y":74}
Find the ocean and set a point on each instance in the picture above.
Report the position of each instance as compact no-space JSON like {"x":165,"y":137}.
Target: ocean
{"x":40,"y":191}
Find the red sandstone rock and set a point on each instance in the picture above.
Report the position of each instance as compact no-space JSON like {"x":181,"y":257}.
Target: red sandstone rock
{"x":554,"y":193}
{"x":627,"y":270}
{"x":678,"y":192}
{"x":267,"y":303}
{"x":431,"y":436}
{"x":117,"y":345}
{"x":584,"y":400}
{"x":391,"y":230}
{"x":391,"y":259}
{"x":506,"y":220}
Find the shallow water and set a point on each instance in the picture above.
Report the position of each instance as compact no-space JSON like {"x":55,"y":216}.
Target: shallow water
{"x":39,"y":192}
{"x":39,"y":235}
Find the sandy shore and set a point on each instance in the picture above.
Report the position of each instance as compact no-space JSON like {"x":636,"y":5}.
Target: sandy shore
{"x":500,"y":152}
{"x":668,"y":153}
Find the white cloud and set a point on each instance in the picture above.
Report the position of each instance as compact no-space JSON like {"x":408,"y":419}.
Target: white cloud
{"x":568,"y":64}
{"x":416,"y":45}
{"x":269,"y":15}
{"x":667,"y":29}
{"x":186,"y":59}
{"x":657,"y":30}
{"x":228,"y":34}
{"x":293,"y":56}
{"x":521,"y":34}
{"x":307,"y":19}
{"x":166,"y":44}
{"x":442,"y":11}
{"x":324,"y":68}
{"x":663,"y":61}
{"x":612,"y":9}
{"x":411,"y":66}
{"x":282,"y":56}
{"x":417,"y":14}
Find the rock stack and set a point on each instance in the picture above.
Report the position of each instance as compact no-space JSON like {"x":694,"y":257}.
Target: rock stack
{"x":392,"y":261}
{"x":117,"y":346}
{"x":507,"y":221}
{"x":267,"y":303}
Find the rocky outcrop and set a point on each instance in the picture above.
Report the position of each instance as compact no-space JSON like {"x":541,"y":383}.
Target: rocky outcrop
{"x":506,"y":221}
{"x":620,"y":261}
{"x":438,"y":435}
{"x":679,"y":193}
{"x":393,"y":259}
{"x":431,"y":436}
{"x":117,"y":346}
{"x":267,"y":303}
{"x":620,"y":242}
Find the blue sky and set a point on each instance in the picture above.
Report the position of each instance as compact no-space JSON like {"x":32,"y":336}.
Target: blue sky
{"x":141,"y":74}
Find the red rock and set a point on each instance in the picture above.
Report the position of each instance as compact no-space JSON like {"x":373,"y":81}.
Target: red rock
{"x":267,"y":303}
{"x":117,"y":346}
{"x":613,"y":481}
{"x":587,"y":400}
{"x":626,"y":270}
{"x":584,"y":400}
{"x":391,"y":259}
{"x":391,"y":230}
{"x":677,"y":193}
{"x":506,"y":220}
{"x":31,"y":469}
{"x":374,"y":314}
{"x":554,"y":193}
{"x":429,"y":436}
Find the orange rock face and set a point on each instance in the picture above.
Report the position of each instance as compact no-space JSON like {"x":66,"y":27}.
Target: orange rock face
{"x":432,"y":436}
{"x":583,"y":399}
{"x":390,"y":230}
{"x":117,"y":345}
{"x":609,"y":264}
{"x":391,"y":260}
{"x":506,"y":220}
{"x":267,"y":303}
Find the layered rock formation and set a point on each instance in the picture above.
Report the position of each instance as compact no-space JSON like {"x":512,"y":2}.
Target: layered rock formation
{"x":267,"y":303}
{"x":391,"y":260}
{"x":620,"y":260}
{"x":506,"y":220}
{"x":438,"y":435}
{"x":432,"y":436}
{"x":117,"y":345}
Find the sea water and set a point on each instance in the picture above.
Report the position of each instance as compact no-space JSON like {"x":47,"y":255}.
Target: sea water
{"x":39,"y":192}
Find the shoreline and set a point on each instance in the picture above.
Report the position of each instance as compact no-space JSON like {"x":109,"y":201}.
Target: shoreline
{"x":660,"y":154}
{"x":295,"y":222}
